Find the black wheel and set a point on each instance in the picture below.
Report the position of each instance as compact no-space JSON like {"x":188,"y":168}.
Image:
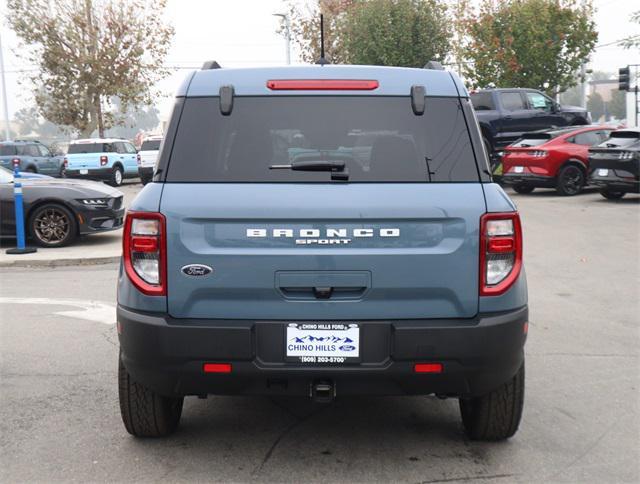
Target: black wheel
{"x":495,"y":416}
{"x":523,"y":188}
{"x":144,"y":412}
{"x":145,"y":179}
{"x":611,"y":195}
{"x":571,"y":181}
{"x":31,"y":169}
{"x":53,"y":225}
{"x":117,"y":176}
{"x":63,"y":172}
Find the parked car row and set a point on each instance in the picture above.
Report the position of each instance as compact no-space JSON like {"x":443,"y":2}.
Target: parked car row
{"x":569,"y":159}
{"x":111,"y":160}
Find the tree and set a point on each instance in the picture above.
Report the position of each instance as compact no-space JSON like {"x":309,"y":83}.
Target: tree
{"x":88,"y":52}
{"x":405,"y":33}
{"x":30,"y":122}
{"x":596,"y":106}
{"x":633,"y":41}
{"x":143,"y":118}
{"x":539,"y":44}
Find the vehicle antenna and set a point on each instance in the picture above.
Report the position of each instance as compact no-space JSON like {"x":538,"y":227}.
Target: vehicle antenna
{"x":322,"y":61}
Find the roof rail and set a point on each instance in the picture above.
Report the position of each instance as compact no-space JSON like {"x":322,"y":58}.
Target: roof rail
{"x":434,"y":65}
{"x":210,"y":64}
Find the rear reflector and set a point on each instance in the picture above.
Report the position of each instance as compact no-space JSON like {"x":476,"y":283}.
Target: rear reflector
{"x":322,"y":84}
{"x":427,"y":368}
{"x":217,"y":367}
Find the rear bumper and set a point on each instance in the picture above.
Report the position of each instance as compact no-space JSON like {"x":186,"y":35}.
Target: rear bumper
{"x":92,"y":174}
{"x":614,"y":182}
{"x":528,"y":179}
{"x":167,"y":355}
{"x":145,"y":171}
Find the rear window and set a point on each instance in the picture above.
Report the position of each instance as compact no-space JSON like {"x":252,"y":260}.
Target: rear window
{"x":537,"y":139}
{"x":379,"y":139}
{"x":7,"y":150}
{"x":621,"y":139}
{"x":90,"y":148}
{"x":482,"y":101}
{"x":151,"y":145}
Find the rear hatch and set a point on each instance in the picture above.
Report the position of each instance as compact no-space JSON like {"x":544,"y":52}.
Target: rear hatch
{"x":396,"y":238}
{"x":621,"y":152}
{"x":87,"y":155}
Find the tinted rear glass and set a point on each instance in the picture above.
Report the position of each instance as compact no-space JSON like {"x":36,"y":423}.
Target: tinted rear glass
{"x":7,"y":150}
{"x":378,"y":138}
{"x":482,"y":101}
{"x":150,"y":145}
{"x":621,"y":140}
{"x":90,"y":148}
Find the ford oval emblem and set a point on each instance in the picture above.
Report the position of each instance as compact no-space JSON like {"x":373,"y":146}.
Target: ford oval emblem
{"x":347,"y":348}
{"x":196,"y":270}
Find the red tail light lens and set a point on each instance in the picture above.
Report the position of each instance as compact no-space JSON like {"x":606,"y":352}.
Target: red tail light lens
{"x":103,"y":160}
{"x":66,"y":162}
{"x":500,"y":252}
{"x":427,"y":368}
{"x":216,"y":367}
{"x":15,"y":162}
{"x":144,"y":252}
{"x":138,"y":159}
{"x":322,"y":84}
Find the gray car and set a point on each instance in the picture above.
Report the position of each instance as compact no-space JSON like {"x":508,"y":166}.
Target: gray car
{"x":32,"y":157}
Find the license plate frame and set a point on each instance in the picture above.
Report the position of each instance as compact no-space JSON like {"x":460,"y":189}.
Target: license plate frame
{"x":328,"y":343}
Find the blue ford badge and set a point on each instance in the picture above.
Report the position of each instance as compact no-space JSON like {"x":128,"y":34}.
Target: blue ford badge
{"x":347,"y":348}
{"x":196,"y":270}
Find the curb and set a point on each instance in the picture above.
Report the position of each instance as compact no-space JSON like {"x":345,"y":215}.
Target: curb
{"x":90,"y":261}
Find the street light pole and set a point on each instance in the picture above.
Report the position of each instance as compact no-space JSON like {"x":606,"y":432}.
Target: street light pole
{"x":7,"y":133}
{"x":287,"y":30}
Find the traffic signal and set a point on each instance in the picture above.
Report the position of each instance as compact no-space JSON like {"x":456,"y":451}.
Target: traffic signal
{"x":623,"y":78}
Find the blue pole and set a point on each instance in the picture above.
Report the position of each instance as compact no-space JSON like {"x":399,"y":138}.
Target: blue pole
{"x":19,"y":210}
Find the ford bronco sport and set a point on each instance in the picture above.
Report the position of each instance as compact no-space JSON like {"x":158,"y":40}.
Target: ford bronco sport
{"x":322,"y":231}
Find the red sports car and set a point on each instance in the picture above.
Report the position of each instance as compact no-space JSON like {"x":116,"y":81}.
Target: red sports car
{"x":556,"y":158}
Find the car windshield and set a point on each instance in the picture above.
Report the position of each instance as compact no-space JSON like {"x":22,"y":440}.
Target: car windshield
{"x":6,"y":176}
{"x":90,"y":148}
{"x":151,"y":145}
{"x":379,"y":139}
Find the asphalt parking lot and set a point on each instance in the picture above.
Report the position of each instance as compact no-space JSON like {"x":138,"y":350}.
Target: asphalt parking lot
{"x":60,"y":421}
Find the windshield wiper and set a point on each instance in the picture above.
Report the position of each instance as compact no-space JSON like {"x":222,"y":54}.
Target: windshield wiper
{"x":336,"y":167}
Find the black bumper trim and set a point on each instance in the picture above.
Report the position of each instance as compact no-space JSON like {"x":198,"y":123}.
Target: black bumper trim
{"x":166,"y":355}
{"x":528,"y":179}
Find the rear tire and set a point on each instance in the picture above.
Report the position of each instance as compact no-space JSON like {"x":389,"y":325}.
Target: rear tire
{"x":610,"y":195}
{"x":523,"y":188}
{"x":31,"y":169}
{"x":117,"y":175}
{"x":144,"y":412}
{"x":571,"y":180}
{"x":496,"y":415}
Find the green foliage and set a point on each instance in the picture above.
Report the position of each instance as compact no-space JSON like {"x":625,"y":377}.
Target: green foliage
{"x":88,"y":52}
{"x":405,"y":33}
{"x":633,"y":41}
{"x":526,"y":43}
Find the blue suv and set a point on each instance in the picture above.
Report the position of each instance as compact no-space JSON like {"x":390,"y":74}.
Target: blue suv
{"x":322,"y":231}
{"x":31,"y":157}
{"x":110,"y":159}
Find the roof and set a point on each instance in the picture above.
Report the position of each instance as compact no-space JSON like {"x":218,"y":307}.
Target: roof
{"x":95,"y":140}
{"x":393,"y":81}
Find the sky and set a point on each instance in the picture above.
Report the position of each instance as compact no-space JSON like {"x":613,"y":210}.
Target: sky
{"x":242,"y":33}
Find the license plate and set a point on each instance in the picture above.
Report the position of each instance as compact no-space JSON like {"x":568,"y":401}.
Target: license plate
{"x":84,"y":172}
{"x":323,"y":343}
{"x":518,"y":169}
{"x":603,"y":172}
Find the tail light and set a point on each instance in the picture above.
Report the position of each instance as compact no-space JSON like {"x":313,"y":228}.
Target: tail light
{"x":15,"y":162}
{"x":138,"y":159}
{"x":65,"y":162}
{"x":104,"y":160}
{"x":144,"y":252}
{"x":322,"y":84}
{"x":500,"y":252}
{"x":538,"y":153}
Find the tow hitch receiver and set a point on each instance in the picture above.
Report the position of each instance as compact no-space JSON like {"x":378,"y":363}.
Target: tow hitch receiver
{"x":323,"y":391}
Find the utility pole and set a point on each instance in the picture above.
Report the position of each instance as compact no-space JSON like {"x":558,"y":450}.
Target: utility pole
{"x":287,"y":30}
{"x":7,"y":133}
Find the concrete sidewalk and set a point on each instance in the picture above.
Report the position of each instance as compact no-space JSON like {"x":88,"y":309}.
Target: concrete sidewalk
{"x":102,"y":248}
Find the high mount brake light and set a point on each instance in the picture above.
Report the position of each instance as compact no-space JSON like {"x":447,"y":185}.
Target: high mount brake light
{"x":322,"y":84}
{"x":144,"y":251}
{"x":500,"y":252}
